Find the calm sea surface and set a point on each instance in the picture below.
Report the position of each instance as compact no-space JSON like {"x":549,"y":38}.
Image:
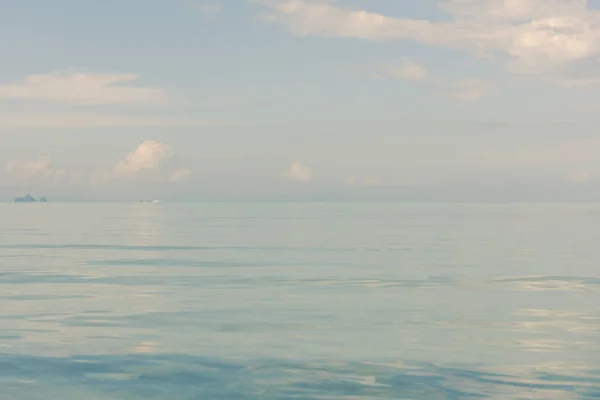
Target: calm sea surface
{"x":299,"y":301}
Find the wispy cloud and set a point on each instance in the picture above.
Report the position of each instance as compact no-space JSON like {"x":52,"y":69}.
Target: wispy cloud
{"x":469,"y":89}
{"x":80,"y":120}
{"x":408,"y":69}
{"x":536,"y":36}
{"x":82,"y":89}
{"x":39,"y":170}
{"x":299,"y":172}
{"x":583,"y":83}
{"x":579,"y":177}
{"x":180,"y":175}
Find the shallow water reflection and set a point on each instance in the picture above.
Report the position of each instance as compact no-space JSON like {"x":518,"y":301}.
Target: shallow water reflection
{"x":189,"y":377}
{"x":302,"y":301}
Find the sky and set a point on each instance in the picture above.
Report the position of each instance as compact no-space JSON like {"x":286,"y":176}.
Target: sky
{"x":243,"y":100}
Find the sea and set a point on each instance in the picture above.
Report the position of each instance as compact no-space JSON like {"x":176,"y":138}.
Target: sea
{"x":241,"y":301}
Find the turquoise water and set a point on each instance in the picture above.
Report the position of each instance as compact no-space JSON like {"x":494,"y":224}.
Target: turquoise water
{"x":299,"y":301}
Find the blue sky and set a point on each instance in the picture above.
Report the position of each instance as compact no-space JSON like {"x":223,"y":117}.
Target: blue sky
{"x":297,"y":100}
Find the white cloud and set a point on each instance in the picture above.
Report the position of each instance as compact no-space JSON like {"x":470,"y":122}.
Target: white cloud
{"x":40,"y":170}
{"x":149,"y":155}
{"x":82,"y":88}
{"x":58,"y":120}
{"x":534,"y":35}
{"x":409,"y":70}
{"x":469,"y":89}
{"x":151,"y":161}
{"x":299,"y":172}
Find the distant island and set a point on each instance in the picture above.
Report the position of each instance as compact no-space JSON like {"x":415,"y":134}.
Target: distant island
{"x":30,"y":199}
{"x":25,"y":199}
